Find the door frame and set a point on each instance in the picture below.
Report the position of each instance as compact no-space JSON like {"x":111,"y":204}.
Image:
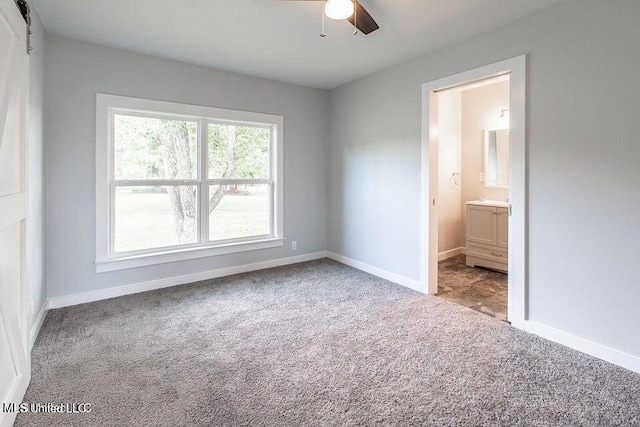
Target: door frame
{"x":517,"y":281}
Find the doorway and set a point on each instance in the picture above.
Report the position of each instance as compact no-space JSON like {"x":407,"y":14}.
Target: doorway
{"x":473,"y":195}
{"x":492,"y":220}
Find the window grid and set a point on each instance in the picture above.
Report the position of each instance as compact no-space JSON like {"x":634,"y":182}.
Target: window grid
{"x":201,"y":183}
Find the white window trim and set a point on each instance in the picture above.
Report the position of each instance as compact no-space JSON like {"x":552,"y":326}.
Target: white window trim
{"x":109,"y":262}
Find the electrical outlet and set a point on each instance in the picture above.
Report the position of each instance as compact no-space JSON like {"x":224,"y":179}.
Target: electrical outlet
{"x":481,"y":176}
{"x":294,"y":246}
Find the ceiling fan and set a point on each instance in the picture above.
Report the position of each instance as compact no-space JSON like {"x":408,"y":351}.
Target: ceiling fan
{"x":351,"y":10}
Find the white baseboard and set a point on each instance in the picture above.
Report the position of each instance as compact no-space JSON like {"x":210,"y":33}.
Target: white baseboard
{"x":102,"y":294}
{"x":591,"y":348}
{"x":451,"y":253}
{"x":37,"y":323}
{"x":387,"y":275}
{"x":600,"y":351}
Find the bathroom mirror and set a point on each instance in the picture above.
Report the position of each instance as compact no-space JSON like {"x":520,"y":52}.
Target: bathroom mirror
{"x":496,"y":158}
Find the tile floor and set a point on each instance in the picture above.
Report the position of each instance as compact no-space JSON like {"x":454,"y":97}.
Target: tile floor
{"x":477,"y":288}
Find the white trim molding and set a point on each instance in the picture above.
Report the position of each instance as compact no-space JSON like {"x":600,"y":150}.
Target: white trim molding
{"x":108,"y":107}
{"x":184,"y":254}
{"x":38,"y":322}
{"x":599,"y":351}
{"x":428,"y":256}
{"x":102,"y":294}
{"x":608,"y":354}
{"x":582,"y":345}
{"x":451,"y":253}
{"x":384,"y":274}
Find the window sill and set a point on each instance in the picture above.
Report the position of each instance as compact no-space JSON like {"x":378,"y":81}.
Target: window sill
{"x":114,"y":264}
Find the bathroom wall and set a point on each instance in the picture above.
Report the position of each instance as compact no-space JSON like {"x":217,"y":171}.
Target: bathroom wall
{"x":450,"y":231}
{"x":463,"y":116}
{"x":481,"y":109}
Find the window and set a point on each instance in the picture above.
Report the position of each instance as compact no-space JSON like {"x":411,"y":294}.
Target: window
{"x":177,"y":181}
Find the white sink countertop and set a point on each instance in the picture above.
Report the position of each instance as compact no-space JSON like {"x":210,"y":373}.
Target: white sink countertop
{"x":497,"y":203}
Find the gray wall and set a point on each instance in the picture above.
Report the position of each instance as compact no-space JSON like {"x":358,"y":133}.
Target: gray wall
{"x":36,"y":258}
{"x":76,"y":70}
{"x":583,"y":155}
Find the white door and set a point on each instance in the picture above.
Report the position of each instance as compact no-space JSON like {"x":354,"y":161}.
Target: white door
{"x":14,"y":77}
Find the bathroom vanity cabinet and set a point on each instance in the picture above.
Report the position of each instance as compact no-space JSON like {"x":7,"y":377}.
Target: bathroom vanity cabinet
{"x":487,"y":234}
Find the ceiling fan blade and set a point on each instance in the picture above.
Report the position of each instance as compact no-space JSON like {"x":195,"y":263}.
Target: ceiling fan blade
{"x":362,"y":20}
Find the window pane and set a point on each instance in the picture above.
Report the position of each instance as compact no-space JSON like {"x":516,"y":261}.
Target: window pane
{"x":153,"y":217}
{"x":238,"y":152}
{"x":148,"y":148}
{"x":237,"y":211}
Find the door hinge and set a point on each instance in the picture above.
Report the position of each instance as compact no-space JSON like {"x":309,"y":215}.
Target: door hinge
{"x":510,"y":209}
{"x":434,"y":202}
{"x":25,"y":11}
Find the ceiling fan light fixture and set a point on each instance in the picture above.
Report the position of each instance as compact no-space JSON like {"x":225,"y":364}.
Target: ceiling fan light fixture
{"x":339,"y":9}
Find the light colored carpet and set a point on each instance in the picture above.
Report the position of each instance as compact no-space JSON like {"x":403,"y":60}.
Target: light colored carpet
{"x":317,"y":343}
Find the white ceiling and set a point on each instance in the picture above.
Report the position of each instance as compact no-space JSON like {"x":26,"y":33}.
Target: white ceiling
{"x":279,"y":39}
